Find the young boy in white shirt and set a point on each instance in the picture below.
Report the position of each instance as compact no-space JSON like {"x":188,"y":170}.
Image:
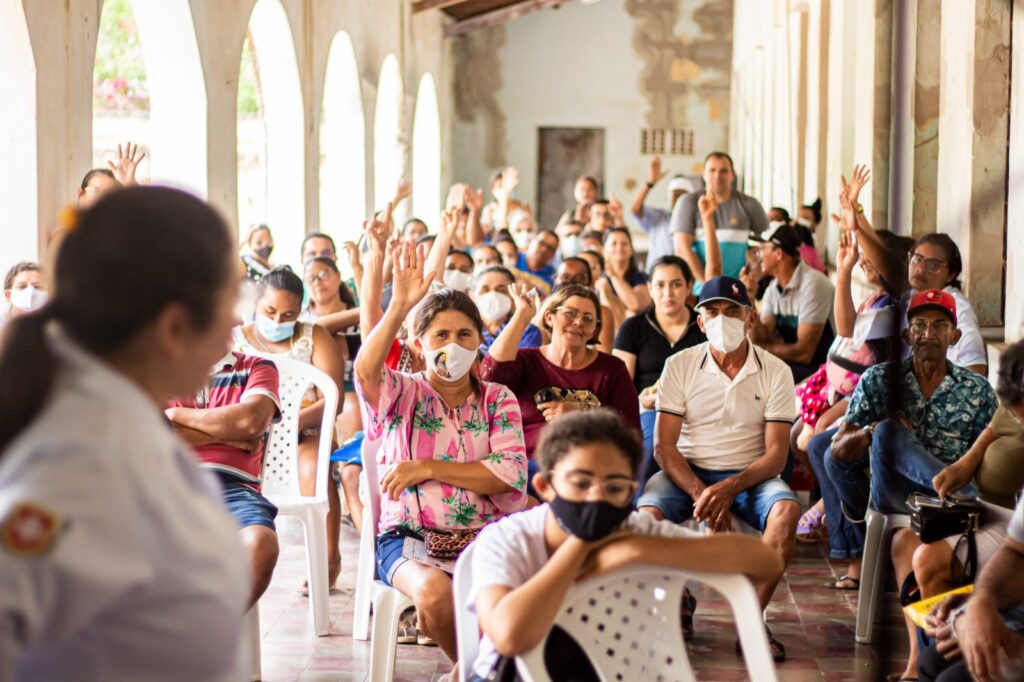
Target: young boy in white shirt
{"x":523,"y":566}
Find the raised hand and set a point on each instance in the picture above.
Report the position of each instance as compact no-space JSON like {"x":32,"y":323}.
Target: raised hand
{"x":456,"y":197}
{"x":378,"y":230}
{"x":450,"y":220}
{"x":509,"y":181}
{"x":848,"y":253}
{"x":707,"y":204}
{"x":409,"y":286}
{"x":860,"y":176}
{"x":128,"y":159}
{"x":473,"y":199}
{"x":403,"y":191}
{"x":615,"y":208}
{"x":524,"y":298}
{"x":655,"y":173}
{"x":352,"y":252}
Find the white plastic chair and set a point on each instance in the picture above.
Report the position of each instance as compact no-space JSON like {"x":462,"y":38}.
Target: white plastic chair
{"x":281,"y":475}
{"x":252,"y":643}
{"x":873,"y":567}
{"x":387,"y":602}
{"x":627,"y":622}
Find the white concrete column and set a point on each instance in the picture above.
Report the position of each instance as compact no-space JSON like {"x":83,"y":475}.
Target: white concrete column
{"x":842,"y":79}
{"x":928,"y":20}
{"x":815,"y":104}
{"x":1014,"y":318}
{"x":871,"y":115}
{"x":973,"y":125}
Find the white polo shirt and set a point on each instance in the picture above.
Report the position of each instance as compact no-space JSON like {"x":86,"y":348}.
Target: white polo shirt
{"x":723,"y":419}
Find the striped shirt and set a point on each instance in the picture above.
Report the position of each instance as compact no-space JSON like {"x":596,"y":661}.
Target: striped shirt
{"x":236,"y":378}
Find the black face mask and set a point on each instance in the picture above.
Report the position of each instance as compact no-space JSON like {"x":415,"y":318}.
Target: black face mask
{"x":588,"y":520}
{"x":264,"y":251}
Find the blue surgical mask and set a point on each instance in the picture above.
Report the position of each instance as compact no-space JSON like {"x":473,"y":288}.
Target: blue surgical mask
{"x":273,"y":331}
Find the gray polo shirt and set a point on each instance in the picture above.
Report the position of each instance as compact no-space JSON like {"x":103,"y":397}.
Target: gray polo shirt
{"x":734,"y":220}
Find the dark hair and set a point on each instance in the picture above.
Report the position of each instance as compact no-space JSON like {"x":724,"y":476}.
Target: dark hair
{"x":281,"y":278}
{"x":784,"y":212}
{"x":953,"y":259}
{"x":344,"y":293}
{"x":412,"y":220}
{"x":592,"y":234}
{"x":460,"y":252}
{"x":632,"y":270}
{"x":673,"y":262}
{"x":99,"y":171}
{"x":318,"y":235}
{"x":585,"y":264}
{"x":426,"y":238}
{"x":576,"y":222}
{"x":23,"y":266}
{"x":578,"y":429}
{"x":495,"y":177}
{"x":481,"y":247}
{"x":720,"y":155}
{"x":129,"y":256}
{"x":1010,"y":381}
{"x":595,"y":254}
{"x":601,"y":200}
{"x":443,"y":300}
{"x":586,"y":178}
{"x":558,"y":298}
{"x":815,"y":209}
{"x":483,"y":272}
{"x":548,"y":230}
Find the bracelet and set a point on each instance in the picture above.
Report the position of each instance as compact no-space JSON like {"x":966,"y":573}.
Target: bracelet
{"x":650,"y":185}
{"x":957,"y":612}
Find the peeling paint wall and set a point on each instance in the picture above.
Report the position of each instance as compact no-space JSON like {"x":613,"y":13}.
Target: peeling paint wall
{"x":620,"y":65}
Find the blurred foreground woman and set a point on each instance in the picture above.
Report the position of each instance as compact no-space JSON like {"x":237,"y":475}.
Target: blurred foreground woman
{"x":117,"y":558}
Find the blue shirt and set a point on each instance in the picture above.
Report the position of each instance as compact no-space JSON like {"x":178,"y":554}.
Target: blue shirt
{"x":947,"y":424}
{"x":546,"y":273}
{"x":656,"y":222}
{"x":531,"y":338}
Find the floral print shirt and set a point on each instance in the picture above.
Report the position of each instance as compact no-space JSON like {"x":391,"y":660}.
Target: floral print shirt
{"x":947,"y":424}
{"x":415,"y":423}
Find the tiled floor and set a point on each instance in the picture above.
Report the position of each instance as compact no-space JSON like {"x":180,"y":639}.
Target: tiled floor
{"x":815,"y":624}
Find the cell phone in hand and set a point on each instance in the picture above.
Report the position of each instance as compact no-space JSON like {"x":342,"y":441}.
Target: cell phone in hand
{"x":546,"y":395}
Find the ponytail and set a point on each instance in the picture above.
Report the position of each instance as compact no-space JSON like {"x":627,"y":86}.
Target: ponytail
{"x":28,"y":368}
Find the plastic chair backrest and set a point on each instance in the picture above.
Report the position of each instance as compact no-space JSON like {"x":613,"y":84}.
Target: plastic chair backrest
{"x":467,"y":625}
{"x":627,"y":622}
{"x":280,"y":461}
{"x":370,"y":450}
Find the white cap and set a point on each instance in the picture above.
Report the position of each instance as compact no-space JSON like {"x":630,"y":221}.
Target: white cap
{"x":682,"y":183}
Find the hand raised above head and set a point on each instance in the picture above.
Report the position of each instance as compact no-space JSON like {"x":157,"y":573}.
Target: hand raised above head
{"x":655,"y":173}
{"x":408,"y":285}
{"x":128,"y":159}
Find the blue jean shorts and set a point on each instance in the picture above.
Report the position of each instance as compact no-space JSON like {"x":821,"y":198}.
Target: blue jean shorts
{"x":752,"y":505}
{"x":389,"y":555}
{"x":247,"y":506}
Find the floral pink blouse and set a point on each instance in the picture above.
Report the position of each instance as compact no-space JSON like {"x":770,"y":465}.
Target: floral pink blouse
{"x":414,"y":422}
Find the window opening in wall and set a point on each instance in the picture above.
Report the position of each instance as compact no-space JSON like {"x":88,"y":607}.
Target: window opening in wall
{"x":667,"y":141}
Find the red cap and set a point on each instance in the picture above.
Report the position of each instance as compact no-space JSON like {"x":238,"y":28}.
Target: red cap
{"x":934,"y":299}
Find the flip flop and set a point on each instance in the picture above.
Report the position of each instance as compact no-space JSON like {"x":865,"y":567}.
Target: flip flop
{"x":845,"y":578}
{"x":778,"y":651}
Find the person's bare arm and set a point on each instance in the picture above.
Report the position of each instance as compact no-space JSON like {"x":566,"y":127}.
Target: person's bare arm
{"x":442,"y":243}
{"x":802,"y":351}
{"x":606,"y":339}
{"x":628,"y":359}
{"x":763,"y":332}
{"x":843,"y":308}
{"x":635,"y":298}
{"x":666,"y":453}
{"x":958,"y":474}
{"x":328,"y":360}
{"x":245,"y":420}
{"x":850,"y":442}
{"x":506,"y":346}
{"x":475,"y":234}
{"x":473,"y":476}
{"x":683,"y":243}
{"x":706,"y":206}
{"x":377,"y":233}
{"x":337,"y":322}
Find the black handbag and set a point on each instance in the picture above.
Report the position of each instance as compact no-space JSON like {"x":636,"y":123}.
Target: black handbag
{"x":934,"y":519}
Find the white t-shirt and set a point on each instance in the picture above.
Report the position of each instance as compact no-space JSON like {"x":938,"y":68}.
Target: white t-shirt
{"x":511,"y":551}
{"x":723,"y":420}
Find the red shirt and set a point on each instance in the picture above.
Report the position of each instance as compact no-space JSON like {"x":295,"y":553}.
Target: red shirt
{"x":230,"y":385}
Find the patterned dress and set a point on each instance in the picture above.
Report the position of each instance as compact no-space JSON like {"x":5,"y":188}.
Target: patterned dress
{"x":414,"y":422}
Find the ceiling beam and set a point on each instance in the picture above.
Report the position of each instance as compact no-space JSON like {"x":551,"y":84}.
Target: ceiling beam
{"x":426,"y":5}
{"x":499,"y":16}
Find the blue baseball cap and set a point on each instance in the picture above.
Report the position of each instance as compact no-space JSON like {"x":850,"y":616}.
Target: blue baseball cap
{"x":723,"y":289}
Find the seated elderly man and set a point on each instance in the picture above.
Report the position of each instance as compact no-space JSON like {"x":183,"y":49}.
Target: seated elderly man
{"x":227,"y":425}
{"x":721,"y":437}
{"x":982,"y":638}
{"x":909,"y":419}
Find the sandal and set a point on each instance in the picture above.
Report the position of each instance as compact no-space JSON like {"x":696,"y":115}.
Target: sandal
{"x":812,"y":526}
{"x":687,"y":608}
{"x":407,"y":627}
{"x":845,"y":579}
{"x":774,"y":645}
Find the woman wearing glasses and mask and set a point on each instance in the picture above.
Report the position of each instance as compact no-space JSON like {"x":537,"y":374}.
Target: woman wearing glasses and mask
{"x":566,"y":374}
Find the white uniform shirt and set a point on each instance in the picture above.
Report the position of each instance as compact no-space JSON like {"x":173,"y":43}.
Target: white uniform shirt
{"x":510,"y":551}
{"x":118,"y":560}
{"x":723,"y":420}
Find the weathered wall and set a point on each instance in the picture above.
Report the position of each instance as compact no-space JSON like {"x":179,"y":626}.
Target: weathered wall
{"x":621,"y":65}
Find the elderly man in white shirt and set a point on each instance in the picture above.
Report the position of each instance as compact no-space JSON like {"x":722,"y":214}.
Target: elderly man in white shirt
{"x":725,"y":409}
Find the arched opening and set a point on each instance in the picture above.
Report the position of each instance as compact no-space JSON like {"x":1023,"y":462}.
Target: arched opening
{"x":19,"y":231}
{"x":388,"y":135}
{"x":271,"y":176}
{"x":120,"y":92}
{"x":342,"y":145}
{"x":426,"y":152}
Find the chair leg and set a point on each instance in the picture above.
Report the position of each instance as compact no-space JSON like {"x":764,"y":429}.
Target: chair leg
{"x":385,"y":631}
{"x":314,"y":521}
{"x":871,"y":574}
{"x":364,"y":580}
{"x":756,"y":652}
{"x":252,"y":626}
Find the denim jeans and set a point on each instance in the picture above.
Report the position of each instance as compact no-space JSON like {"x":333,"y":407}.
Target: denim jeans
{"x":649,"y":466}
{"x":845,"y":539}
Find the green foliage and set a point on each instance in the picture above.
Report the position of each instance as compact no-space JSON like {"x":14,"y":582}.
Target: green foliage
{"x":119,"y":76}
{"x":248,"y":83}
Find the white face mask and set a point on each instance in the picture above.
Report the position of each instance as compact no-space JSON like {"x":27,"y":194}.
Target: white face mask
{"x":571,"y":246}
{"x":522,"y":239}
{"x":458,"y":280}
{"x":28,"y":299}
{"x":725,"y":334}
{"x":510,"y":262}
{"x":450,"y":363}
{"x":494,"y":306}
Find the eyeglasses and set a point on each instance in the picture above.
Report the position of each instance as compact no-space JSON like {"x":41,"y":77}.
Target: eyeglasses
{"x":932,"y":265}
{"x":617,"y":491}
{"x":937,"y":327}
{"x":570,"y":315}
{"x":318,"y":277}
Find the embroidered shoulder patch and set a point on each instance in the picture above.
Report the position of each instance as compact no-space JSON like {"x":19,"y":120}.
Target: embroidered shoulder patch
{"x":29,"y":530}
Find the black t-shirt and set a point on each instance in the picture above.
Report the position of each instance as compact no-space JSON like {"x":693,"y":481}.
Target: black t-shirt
{"x":641,"y":336}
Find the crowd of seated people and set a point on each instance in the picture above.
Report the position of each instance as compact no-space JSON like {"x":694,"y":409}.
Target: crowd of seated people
{"x":536,"y":388}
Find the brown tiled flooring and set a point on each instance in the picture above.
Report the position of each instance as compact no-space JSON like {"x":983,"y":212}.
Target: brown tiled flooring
{"x":814,"y":622}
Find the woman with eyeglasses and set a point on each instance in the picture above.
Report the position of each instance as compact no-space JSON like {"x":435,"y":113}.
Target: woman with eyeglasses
{"x":566,"y":374}
{"x":278,"y":333}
